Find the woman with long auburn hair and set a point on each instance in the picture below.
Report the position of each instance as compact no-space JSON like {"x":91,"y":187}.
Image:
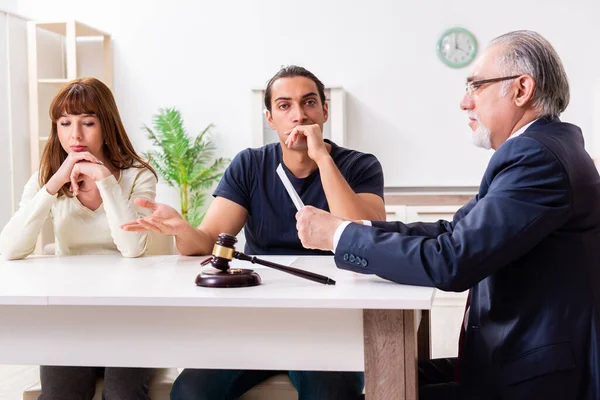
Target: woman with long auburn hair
{"x":88,"y":180}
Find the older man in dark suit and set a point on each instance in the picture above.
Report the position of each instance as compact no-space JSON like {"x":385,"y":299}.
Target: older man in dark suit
{"x":527,"y":246}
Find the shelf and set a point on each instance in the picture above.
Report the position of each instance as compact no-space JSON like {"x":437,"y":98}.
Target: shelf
{"x":59,"y":65}
{"x":80,"y":29}
{"x":53,"y":81}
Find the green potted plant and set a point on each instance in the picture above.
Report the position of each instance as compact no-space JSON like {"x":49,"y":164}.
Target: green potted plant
{"x":184,"y":162}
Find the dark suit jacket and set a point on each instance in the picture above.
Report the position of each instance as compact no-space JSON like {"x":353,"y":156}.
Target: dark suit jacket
{"x":528,"y":245}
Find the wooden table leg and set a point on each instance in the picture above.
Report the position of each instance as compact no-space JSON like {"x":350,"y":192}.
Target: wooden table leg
{"x":390,"y":338}
{"x":424,"y":336}
{"x":411,"y":355}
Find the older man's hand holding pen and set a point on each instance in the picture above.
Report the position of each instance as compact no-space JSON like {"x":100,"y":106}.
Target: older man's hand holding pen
{"x":316,"y":228}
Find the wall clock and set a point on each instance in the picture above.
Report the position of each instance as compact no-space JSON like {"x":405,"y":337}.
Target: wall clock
{"x":457,"y":47}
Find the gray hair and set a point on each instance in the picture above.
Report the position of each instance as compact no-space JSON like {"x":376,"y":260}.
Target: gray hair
{"x":528,"y":52}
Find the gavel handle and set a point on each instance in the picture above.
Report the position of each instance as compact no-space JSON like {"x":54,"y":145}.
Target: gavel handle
{"x":290,"y":270}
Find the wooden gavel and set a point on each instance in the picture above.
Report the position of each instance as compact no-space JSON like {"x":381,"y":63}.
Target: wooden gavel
{"x":224,"y":251}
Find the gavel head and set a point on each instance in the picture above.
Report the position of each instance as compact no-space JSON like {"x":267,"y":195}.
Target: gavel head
{"x":223,"y":251}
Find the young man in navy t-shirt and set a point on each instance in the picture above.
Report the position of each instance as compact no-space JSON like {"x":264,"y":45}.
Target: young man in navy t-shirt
{"x":344,"y":182}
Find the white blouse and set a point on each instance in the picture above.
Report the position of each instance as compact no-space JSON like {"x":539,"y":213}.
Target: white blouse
{"x":77,"y":229}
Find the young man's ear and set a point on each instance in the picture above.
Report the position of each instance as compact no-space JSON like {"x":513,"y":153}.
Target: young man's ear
{"x":525,"y":86}
{"x":326,"y":111}
{"x":270,"y":119}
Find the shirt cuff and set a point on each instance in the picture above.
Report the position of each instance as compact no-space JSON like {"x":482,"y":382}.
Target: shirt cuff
{"x":340,"y":229}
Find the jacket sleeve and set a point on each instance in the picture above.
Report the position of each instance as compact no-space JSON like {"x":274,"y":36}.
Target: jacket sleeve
{"x":428,"y":229}
{"x":120,"y":208}
{"x":19,"y":236}
{"x":527,"y":199}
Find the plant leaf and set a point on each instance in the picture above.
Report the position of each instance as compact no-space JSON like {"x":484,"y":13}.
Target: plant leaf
{"x":182,"y":161}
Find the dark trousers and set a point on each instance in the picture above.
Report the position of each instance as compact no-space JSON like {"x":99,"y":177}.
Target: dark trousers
{"x":436,"y":379}
{"x":79,"y":383}
{"x":213,"y":384}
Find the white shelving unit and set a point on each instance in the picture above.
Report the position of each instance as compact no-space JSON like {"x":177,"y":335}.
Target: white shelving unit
{"x":58,"y":53}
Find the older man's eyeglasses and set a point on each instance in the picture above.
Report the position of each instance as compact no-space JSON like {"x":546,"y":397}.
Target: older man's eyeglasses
{"x":472,"y":86}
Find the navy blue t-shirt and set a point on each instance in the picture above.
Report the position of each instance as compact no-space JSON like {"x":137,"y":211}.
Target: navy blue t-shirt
{"x":251,"y":181}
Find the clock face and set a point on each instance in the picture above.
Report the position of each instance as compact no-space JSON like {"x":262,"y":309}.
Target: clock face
{"x":457,"y":47}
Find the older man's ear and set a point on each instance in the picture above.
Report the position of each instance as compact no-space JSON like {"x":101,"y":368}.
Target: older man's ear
{"x":525,"y":86}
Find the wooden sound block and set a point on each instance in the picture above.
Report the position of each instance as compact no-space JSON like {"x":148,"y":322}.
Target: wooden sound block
{"x":233,"y":277}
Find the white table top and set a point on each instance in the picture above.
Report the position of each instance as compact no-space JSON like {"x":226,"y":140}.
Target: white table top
{"x":169,"y":281}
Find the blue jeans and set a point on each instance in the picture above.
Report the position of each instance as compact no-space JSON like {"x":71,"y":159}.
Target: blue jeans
{"x":215,"y":384}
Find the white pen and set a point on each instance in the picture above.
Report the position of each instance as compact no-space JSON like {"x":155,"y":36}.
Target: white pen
{"x":290,"y":189}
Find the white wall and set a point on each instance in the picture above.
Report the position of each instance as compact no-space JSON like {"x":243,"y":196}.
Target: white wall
{"x":14,"y":127}
{"x":5,"y":168}
{"x":403,"y":103}
{"x":9,"y":5}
